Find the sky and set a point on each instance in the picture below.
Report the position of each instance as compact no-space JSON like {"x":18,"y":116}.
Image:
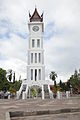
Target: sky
{"x":61,"y":35}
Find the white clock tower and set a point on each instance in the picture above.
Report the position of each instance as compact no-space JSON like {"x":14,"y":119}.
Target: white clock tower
{"x":35,"y":67}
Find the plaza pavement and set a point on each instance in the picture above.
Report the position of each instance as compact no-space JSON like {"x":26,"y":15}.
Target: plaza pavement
{"x":38,"y":104}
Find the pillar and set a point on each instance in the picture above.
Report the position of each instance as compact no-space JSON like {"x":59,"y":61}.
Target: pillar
{"x":29,"y":91}
{"x":58,"y":95}
{"x":33,"y":57}
{"x":37,"y":74}
{"x":26,"y":91}
{"x":9,"y":96}
{"x":43,"y":92}
{"x":67,"y":94}
{"x":33,"y":74}
{"x":23,"y":95}
{"x":17,"y":95}
{"x":50,"y":92}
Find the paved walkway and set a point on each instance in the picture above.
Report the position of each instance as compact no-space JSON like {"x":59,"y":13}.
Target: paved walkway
{"x":38,"y":104}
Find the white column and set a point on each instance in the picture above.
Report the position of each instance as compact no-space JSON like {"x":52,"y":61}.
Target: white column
{"x":58,"y":94}
{"x":42,"y":73}
{"x":50,"y":92}
{"x":33,"y":57}
{"x":67,"y":94}
{"x":17,"y":94}
{"x":28,"y":57}
{"x":26,"y":91}
{"x":41,"y":57}
{"x":61,"y":95}
{"x":29,"y":92}
{"x":41,"y":42}
{"x":23,"y":95}
{"x":33,"y":74}
{"x":8,"y":96}
{"x":37,"y":74}
{"x":43,"y":92}
{"x":37,"y":58}
{"x":28,"y":73}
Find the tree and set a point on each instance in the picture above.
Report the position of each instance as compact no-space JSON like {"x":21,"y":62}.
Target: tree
{"x":60,"y":83}
{"x":2,"y":74}
{"x":4,"y":84}
{"x":68,"y":85}
{"x":60,"y":86}
{"x":75,"y":81}
{"x":16,"y":85}
{"x":53,"y":76}
{"x":34,"y":92}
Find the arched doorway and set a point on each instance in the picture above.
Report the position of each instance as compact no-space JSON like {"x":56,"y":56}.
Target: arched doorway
{"x":35,"y":91}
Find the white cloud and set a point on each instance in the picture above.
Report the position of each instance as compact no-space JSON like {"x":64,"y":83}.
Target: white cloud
{"x":14,"y":52}
{"x":62,"y":34}
{"x":15,"y":47}
{"x":16,"y":65}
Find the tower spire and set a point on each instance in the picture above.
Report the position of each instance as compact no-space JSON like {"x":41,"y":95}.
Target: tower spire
{"x":35,"y":6}
{"x":35,"y":16}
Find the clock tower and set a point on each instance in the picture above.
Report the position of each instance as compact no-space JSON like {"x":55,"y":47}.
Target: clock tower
{"x":35,"y":67}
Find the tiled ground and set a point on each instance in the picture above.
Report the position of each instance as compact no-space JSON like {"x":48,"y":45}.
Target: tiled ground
{"x":38,"y":104}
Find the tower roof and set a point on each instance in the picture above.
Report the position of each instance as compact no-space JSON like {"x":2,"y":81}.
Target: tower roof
{"x":35,"y":16}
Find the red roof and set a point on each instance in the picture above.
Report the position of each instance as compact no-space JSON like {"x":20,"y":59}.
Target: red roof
{"x":36,"y":16}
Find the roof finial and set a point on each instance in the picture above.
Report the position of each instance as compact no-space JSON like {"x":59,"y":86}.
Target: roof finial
{"x":29,"y":13}
{"x":42,"y":14}
{"x":35,"y":7}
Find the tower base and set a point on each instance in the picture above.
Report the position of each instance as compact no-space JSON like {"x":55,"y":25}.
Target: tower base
{"x":42,"y":87}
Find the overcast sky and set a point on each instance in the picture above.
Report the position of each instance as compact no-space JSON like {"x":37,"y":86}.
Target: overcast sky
{"x":61,"y":35}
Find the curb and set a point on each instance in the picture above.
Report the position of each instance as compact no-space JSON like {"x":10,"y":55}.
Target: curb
{"x":44,"y":112}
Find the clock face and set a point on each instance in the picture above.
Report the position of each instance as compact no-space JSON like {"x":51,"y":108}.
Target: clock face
{"x":35,"y":28}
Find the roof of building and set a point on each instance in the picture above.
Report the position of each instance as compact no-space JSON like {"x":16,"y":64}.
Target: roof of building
{"x":35,"y":16}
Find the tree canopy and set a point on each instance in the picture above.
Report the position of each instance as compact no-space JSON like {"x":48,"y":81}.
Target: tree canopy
{"x":4,"y":84}
{"x":75,"y":81}
{"x":7,"y":85}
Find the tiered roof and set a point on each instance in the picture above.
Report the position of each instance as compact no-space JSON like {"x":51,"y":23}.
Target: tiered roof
{"x":36,"y":16}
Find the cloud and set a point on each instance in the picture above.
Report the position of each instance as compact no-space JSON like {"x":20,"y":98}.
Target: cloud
{"x":49,"y":31}
{"x":13,"y":54}
{"x":61,"y":35}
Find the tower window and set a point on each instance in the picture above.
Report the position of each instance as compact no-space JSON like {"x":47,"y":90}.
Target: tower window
{"x":33,"y":42}
{"x":39,"y":57}
{"x":39,"y":74}
{"x":31,"y":74}
{"x":35,"y":57}
{"x":38,"y":42}
{"x":35,"y":74}
{"x":31,"y":57}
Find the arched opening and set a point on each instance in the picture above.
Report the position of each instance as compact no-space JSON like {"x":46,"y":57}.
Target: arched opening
{"x":35,"y":91}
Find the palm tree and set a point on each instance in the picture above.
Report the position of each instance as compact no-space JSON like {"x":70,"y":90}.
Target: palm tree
{"x":9,"y":74}
{"x":53,"y":76}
